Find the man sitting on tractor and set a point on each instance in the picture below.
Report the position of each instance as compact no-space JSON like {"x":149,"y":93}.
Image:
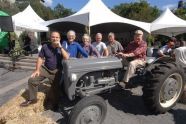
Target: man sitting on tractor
{"x":167,"y":49}
{"x":137,"y":51}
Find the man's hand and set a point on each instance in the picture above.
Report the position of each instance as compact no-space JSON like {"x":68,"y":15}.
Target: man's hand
{"x":35,"y":74}
{"x":58,"y":44}
{"x":120,"y":54}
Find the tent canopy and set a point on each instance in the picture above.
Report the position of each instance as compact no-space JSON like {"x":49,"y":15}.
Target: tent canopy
{"x":168,"y":24}
{"x":28,"y":20}
{"x":95,"y":13}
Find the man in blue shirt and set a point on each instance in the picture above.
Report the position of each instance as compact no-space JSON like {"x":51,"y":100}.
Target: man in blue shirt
{"x":73,"y":47}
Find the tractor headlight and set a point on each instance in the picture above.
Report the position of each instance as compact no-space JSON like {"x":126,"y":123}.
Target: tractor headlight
{"x":73,"y":77}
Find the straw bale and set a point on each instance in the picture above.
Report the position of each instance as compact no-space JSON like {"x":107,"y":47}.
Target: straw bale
{"x":13,"y":113}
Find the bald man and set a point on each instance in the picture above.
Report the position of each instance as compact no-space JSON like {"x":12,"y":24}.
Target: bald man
{"x":100,"y":46}
{"x":51,"y":55}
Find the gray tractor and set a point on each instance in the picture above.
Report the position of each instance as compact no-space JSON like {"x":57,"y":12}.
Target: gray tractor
{"x":84,"y":78}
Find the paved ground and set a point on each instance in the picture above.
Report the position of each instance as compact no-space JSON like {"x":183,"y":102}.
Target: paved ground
{"x":11,"y":82}
{"x":128,"y":108}
{"x":124,"y":106}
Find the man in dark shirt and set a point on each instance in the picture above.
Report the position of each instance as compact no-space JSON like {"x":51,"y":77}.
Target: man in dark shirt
{"x":73,"y":47}
{"x":53,"y":53}
{"x":137,"y":50}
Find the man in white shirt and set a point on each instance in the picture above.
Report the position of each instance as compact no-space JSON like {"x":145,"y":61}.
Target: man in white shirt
{"x":167,"y":49}
{"x":100,"y":46}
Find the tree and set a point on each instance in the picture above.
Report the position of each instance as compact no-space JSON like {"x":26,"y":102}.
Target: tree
{"x":61,"y":11}
{"x":9,"y":8}
{"x":44,"y":12}
{"x":181,"y":12}
{"x":141,"y":11}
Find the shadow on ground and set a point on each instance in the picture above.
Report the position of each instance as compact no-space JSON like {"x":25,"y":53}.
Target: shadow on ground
{"x":120,"y":99}
{"x":125,"y":101}
{"x":179,"y":116}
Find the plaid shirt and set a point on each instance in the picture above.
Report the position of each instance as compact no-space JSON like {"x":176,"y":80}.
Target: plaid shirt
{"x":139,"y":50}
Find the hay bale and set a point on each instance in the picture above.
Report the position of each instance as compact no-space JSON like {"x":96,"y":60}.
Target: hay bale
{"x":35,"y":119}
{"x":13,"y":113}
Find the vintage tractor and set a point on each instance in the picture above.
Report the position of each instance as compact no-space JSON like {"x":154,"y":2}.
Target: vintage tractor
{"x":163,"y":85}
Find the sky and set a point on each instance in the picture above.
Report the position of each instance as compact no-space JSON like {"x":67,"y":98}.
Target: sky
{"x":75,"y":5}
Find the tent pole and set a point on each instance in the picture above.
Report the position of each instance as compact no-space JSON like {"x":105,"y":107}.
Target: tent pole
{"x":89,"y":30}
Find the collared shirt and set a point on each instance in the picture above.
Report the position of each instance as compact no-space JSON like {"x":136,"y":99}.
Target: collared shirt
{"x":100,"y":47}
{"x":165,"y":50}
{"x":91,"y":50}
{"x":139,"y":50}
{"x":53,"y":56}
{"x":114,"y":47}
{"x":73,"y":49}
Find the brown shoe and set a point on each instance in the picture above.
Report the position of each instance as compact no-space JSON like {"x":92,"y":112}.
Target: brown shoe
{"x":27,"y":103}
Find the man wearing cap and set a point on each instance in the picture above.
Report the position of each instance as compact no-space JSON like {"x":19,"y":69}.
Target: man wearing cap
{"x":137,"y":51}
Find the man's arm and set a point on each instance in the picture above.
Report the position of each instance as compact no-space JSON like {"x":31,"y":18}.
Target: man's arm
{"x":64,"y":54}
{"x":95,"y":52}
{"x":63,"y":51}
{"x":105,"y":52}
{"x":121,"y":54}
{"x":120,"y":47}
{"x":141,"y":49}
{"x":82,"y":51}
{"x":38,"y":66}
{"x":161,"y":51}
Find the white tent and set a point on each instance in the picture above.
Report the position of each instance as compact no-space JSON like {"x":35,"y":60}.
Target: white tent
{"x":28,"y":20}
{"x":168,"y":24}
{"x":96,"y":13}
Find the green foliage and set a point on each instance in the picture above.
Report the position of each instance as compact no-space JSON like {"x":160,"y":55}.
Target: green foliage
{"x":141,"y":11}
{"x":44,"y":12}
{"x":181,"y":13}
{"x":21,"y":38}
{"x":11,"y":9}
{"x":61,"y":11}
{"x":150,"y":40}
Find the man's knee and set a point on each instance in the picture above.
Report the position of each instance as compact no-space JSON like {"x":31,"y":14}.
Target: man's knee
{"x":132,"y":64}
{"x":32,"y":82}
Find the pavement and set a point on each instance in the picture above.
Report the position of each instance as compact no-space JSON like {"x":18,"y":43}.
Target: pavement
{"x":11,"y":82}
{"x":124,"y":106}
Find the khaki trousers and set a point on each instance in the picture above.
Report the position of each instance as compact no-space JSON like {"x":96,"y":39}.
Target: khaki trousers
{"x":53,"y":75}
{"x":132,"y":68}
